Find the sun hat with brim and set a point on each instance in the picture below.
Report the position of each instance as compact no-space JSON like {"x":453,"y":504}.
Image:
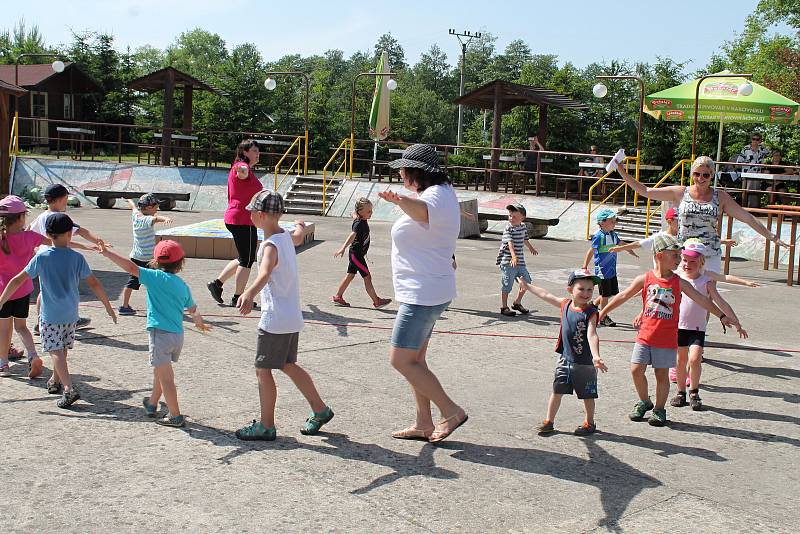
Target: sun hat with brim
{"x":605,"y":214}
{"x":694,"y":248}
{"x":582,"y":274}
{"x":663,"y":242}
{"x":12,"y":205}
{"x":418,"y":156}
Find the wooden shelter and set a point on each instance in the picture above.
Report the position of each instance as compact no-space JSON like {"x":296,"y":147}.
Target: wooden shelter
{"x":7,"y":91}
{"x":501,"y":97}
{"x":168,"y":79}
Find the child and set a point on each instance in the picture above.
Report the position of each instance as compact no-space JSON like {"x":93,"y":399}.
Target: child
{"x":167,"y":297}
{"x":281,"y":319}
{"x":358,"y":241}
{"x":657,"y":340}
{"x":579,"y":349}
{"x":692,"y":324}
{"x":56,"y":196}
{"x":143,"y":217}
{"x":605,"y":261}
{"x":511,"y":259}
{"x":59,"y":270}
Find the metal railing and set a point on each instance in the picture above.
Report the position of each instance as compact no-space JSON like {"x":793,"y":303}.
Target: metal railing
{"x":601,"y":181}
{"x":298,"y":159}
{"x":648,"y":213}
{"x":13,"y":142}
{"x":345,"y":148}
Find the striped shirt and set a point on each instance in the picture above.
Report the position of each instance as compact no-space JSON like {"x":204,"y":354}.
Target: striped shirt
{"x":517,"y":236}
{"x":144,"y":236}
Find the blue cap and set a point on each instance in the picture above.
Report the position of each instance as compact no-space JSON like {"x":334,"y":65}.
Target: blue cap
{"x":605,"y":214}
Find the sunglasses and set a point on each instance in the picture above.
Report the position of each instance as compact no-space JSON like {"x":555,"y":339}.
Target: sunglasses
{"x":756,"y":139}
{"x":703,"y":174}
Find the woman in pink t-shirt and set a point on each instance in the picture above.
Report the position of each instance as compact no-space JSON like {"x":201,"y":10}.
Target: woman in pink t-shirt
{"x":242,"y":186}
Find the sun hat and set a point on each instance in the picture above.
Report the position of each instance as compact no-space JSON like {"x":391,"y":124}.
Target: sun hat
{"x":168,"y":251}
{"x":694,"y":248}
{"x":662,"y":242}
{"x":517,"y":207}
{"x":418,"y":156}
{"x":54,"y":191}
{"x":267,"y":201}
{"x":671,"y":213}
{"x":12,"y":205}
{"x":582,"y":274}
{"x":605,"y":214}
{"x":148,"y":199}
{"x":59,"y":223}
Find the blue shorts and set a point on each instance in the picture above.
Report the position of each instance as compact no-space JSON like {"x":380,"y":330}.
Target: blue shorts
{"x":509,"y":274}
{"x":413,"y":324}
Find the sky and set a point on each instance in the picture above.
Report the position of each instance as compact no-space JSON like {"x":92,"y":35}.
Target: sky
{"x":577,"y":31}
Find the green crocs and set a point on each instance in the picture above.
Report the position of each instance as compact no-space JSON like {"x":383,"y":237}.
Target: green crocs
{"x":315,"y":422}
{"x":639,"y":409}
{"x":256,"y":431}
{"x":658,"y":417}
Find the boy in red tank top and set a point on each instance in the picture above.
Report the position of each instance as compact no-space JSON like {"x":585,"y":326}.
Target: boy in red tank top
{"x":657,"y":341}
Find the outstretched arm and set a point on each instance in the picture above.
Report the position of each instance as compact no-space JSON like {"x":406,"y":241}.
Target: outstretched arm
{"x":413,"y":207}
{"x":706,"y":303}
{"x":671,"y":193}
{"x":162,"y":219}
{"x":125,"y":263}
{"x":730,"y":207}
{"x":717,"y":299}
{"x":627,"y":246}
{"x":730,"y":279}
{"x":621,"y":298}
{"x":97,"y":288}
{"x":88,"y":236}
{"x":541,"y":293}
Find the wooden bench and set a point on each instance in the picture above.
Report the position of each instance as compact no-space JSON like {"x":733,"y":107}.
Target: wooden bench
{"x":107,"y":199}
{"x":537,"y":227}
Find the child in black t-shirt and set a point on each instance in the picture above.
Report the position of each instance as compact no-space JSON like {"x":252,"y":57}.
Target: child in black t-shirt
{"x":358,"y":241}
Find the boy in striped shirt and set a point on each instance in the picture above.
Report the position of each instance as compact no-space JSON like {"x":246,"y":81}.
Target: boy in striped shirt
{"x":143,"y":218}
{"x":511,"y":259}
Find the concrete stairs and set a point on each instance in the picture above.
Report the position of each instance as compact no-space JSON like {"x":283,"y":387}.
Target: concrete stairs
{"x":631,"y":223}
{"x":304,"y":195}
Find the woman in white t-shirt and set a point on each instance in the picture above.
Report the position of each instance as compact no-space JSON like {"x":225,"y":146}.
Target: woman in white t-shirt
{"x":423,"y":245}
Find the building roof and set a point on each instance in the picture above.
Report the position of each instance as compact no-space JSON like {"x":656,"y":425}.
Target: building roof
{"x":34,"y":76}
{"x":157,"y":81}
{"x":514,"y":94}
{"x":10,"y":88}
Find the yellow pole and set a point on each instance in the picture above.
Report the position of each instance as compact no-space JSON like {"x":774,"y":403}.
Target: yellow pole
{"x":352,"y":145}
{"x":305,"y":155}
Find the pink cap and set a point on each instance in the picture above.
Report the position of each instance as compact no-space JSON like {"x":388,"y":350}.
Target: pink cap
{"x":11,"y":205}
{"x":691,"y":253}
{"x":671,"y":214}
{"x":168,"y":251}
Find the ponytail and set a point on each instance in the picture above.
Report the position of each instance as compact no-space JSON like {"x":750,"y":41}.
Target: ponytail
{"x":5,"y":222}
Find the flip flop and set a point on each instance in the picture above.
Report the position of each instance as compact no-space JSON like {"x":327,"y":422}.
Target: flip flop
{"x":444,"y":434}
{"x":411,"y":433}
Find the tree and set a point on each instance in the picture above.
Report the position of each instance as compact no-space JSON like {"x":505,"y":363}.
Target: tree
{"x":397,"y":57}
{"x":21,"y":40}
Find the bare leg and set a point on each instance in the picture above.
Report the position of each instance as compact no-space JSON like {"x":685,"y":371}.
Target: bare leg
{"x":267,"y":396}
{"x":422,"y":379}
{"x":553,"y":404}
{"x":640,"y":380}
{"x":680,"y":369}
{"x":662,"y":387}
{"x":503,"y":300}
{"x":126,"y":296}
{"x":302,"y":380}
{"x":60,"y":367}
{"x":242,"y":274}
{"x":424,"y":420}
{"x":521,"y":294}
{"x":155,"y":396}
{"x":588,"y":405}
{"x":21,"y":326}
{"x":6,"y":330}
{"x":695,"y":365}
{"x":345,"y":284}
{"x":166,"y":378}
{"x":228,"y":270}
{"x":371,"y":289}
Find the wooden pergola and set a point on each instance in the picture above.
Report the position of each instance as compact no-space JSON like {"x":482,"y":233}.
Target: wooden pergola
{"x":7,"y":90}
{"x":501,"y":97}
{"x":168,"y":79}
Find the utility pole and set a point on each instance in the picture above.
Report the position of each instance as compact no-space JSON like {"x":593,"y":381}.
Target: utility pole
{"x":468,"y":36}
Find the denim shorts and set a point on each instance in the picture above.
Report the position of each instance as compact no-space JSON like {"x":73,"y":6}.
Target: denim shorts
{"x":413,"y":324}
{"x":509,"y":274}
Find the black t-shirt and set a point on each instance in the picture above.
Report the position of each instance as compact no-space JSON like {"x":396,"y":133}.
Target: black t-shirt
{"x":360,"y":244}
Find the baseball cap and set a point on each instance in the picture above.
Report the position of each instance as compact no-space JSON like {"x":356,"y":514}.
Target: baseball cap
{"x":582,"y":274}
{"x":693,"y":247}
{"x":517,"y":207}
{"x":671,"y":214}
{"x":662,"y":242}
{"x":267,"y":201}
{"x":605,"y":214}
{"x":12,"y":205}
{"x":168,"y":251}
{"x":54,"y":191}
{"x":148,"y":199}
{"x":59,"y":223}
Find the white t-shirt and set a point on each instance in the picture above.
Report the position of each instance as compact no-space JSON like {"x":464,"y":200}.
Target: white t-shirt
{"x":280,"y":298}
{"x":422,"y":254}
{"x":38,"y":226}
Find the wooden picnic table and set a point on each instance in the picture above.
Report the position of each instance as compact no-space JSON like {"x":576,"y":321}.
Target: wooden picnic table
{"x":273,"y":142}
{"x":183,"y":145}
{"x":593,"y":165}
{"x":81,"y":133}
{"x":759,"y":177}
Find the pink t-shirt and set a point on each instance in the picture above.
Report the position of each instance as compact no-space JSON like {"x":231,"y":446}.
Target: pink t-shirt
{"x":240,"y":192}
{"x":23,"y":247}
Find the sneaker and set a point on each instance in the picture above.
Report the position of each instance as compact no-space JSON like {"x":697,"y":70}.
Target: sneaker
{"x":5,"y":370}
{"x":507,"y":312}
{"x":149,"y":409}
{"x":68,"y":398}
{"x":55,"y":388}
{"x":83,"y":322}
{"x":35,"y":368}
{"x":585,"y":429}
{"x":339,"y":301}
{"x":673,"y":375}
{"x":546,"y":427}
{"x":176,"y":421}
{"x":315,"y":422}
{"x":679,"y":400}
{"x":658,"y":417}
{"x":256,"y":431}
{"x":639,"y":409}
{"x":607,"y":321}
{"x":235,"y":301}
{"x":380,"y":303}
{"x":126,"y":310}
{"x":520,"y":308}
{"x":36,"y":329}
{"x":15,"y":354}
{"x":215,"y":288}
{"x":694,"y":401}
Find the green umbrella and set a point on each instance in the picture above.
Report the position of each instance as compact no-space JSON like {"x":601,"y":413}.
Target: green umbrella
{"x":379,"y":115}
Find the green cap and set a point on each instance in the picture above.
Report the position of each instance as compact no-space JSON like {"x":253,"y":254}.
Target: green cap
{"x":662,"y":242}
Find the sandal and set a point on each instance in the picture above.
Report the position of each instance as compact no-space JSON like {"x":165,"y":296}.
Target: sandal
{"x":520,"y":308}
{"x":413,"y":433}
{"x":439,"y":435}
{"x":339,"y":301}
{"x":507,"y":312}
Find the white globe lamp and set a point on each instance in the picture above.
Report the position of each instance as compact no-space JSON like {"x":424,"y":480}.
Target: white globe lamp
{"x":746,"y":89}
{"x":599,"y":90}
{"x":58,"y":66}
{"x":391,"y":84}
{"x":270,"y":84}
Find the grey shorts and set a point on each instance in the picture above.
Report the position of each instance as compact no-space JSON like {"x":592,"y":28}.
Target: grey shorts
{"x":165,"y":347}
{"x":56,"y":336}
{"x":655,"y":357}
{"x":571,"y":377}
{"x":273,"y":351}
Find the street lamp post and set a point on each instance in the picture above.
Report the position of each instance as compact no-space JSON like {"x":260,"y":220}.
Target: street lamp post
{"x":390,"y":86}
{"x":270,"y":84}
{"x":57,"y":65}
{"x":697,"y":100}
{"x":469,"y":37}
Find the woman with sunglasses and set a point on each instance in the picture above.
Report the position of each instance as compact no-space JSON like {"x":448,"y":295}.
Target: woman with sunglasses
{"x":699,"y":207}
